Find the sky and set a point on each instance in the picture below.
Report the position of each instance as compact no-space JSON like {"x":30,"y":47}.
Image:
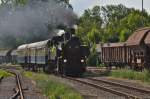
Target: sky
{"x":80,"y":5}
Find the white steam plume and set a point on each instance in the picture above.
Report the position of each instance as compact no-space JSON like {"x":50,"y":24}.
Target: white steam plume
{"x":29,"y":23}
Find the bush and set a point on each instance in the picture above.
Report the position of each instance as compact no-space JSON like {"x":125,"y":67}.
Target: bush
{"x":93,"y":59}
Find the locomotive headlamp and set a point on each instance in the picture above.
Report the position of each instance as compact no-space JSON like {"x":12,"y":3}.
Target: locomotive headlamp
{"x":65,"y":60}
{"x":82,"y":60}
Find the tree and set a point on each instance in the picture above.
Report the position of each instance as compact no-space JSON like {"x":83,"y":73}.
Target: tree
{"x":113,"y":13}
{"x":89,"y":30}
{"x":120,"y":22}
{"x":90,"y":26}
{"x":111,"y":23}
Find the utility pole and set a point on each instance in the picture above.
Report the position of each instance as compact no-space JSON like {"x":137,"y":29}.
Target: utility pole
{"x":142,"y":6}
{"x":142,"y":14}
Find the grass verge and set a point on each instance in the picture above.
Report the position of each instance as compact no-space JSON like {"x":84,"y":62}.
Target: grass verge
{"x":4,"y":73}
{"x":52,"y":88}
{"x":132,"y":75}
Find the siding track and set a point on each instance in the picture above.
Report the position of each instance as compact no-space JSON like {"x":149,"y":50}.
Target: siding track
{"x":115,"y":88}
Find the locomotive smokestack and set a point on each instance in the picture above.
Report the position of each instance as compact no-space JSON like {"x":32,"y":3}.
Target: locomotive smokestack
{"x":73,"y":30}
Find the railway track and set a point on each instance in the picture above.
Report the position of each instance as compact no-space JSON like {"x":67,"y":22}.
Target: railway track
{"x":23,"y":87}
{"x":117,"y":89}
{"x":121,"y":85}
{"x":18,"y":89}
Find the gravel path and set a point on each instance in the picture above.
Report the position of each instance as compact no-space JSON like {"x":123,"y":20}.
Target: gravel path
{"x":7,"y":86}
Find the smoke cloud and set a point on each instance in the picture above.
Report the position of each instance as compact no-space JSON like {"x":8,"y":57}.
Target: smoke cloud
{"x":29,"y":23}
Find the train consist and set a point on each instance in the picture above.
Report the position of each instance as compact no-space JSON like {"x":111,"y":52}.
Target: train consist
{"x":135,"y":52}
{"x":66,"y":55}
{"x":63,"y":54}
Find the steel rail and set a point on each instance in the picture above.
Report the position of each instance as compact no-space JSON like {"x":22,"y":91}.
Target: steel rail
{"x":14,"y":96}
{"x":126,"y":95}
{"x":17,"y":81}
{"x":121,"y":85}
{"x":19,"y":86}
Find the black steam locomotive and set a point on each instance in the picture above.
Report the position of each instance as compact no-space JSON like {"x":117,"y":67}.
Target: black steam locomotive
{"x":64,"y":54}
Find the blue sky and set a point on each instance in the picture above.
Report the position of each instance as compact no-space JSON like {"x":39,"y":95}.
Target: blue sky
{"x":81,"y":5}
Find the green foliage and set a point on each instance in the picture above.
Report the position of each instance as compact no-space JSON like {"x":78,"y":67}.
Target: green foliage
{"x":52,"y":88}
{"x":4,"y":73}
{"x":122,"y":21}
{"x":90,"y":26}
{"x":93,"y":58}
{"x":132,"y":22}
{"x":22,"y":2}
{"x":124,"y":34}
{"x":111,"y":23}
